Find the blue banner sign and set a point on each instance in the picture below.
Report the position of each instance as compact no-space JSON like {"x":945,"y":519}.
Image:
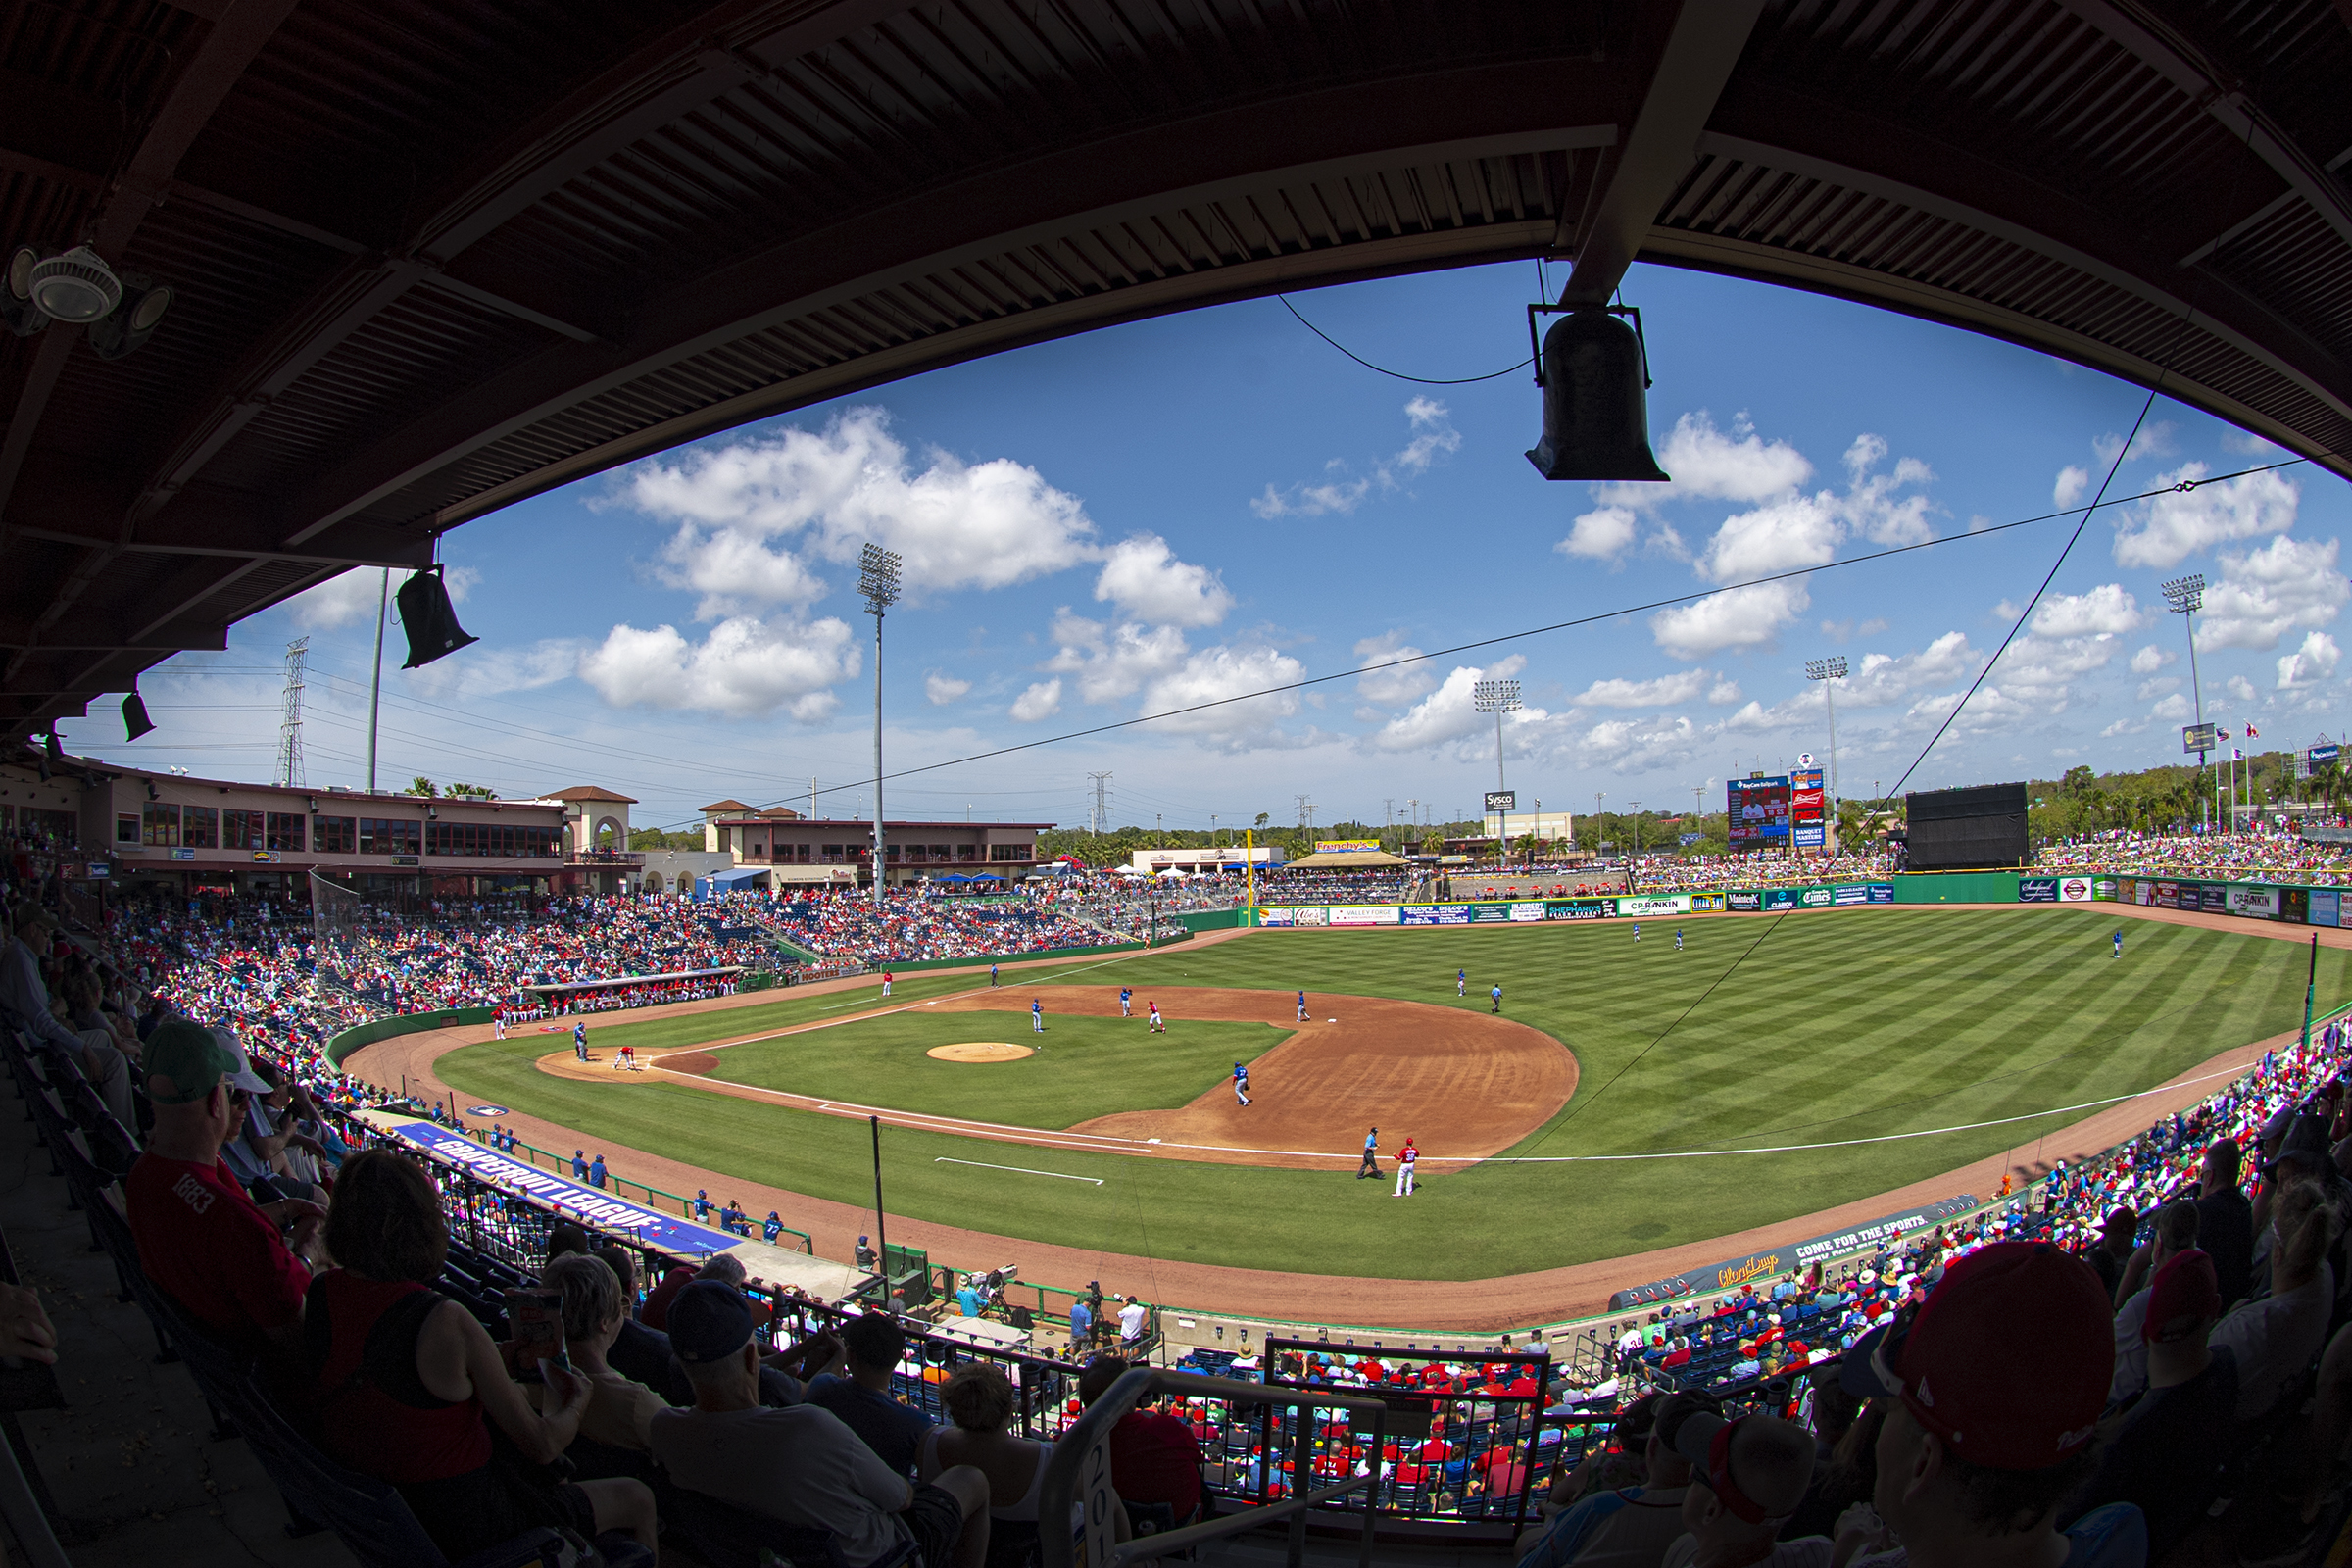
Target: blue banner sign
{"x":670,"y":1233}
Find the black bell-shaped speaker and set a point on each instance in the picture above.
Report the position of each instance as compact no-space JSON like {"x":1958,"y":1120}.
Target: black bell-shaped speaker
{"x":135,"y":722}
{"x":1595,"y":416}
{"x":427,"y":618}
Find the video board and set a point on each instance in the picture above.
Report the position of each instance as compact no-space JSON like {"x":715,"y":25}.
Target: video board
{"x":1758,"y":812}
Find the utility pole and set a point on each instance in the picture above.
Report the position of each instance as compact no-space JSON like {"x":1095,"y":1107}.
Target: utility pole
{"x":1101,"y":817}
{"x":375,"y":685}
{"x":289,"y":728}
{"x":878,"y":582}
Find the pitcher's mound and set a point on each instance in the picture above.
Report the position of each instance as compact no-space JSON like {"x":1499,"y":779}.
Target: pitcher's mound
{"x":981,"y":1050}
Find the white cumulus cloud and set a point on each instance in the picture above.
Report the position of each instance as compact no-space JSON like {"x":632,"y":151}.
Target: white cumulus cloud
{"x":1041,"y":700}
{"x":2310,"y":665}
{"x":1110,"y":660}
{"x":744,"y":668}
{"x":1664,"y":692}
{"x":1143,"y":578}
{"x":751,"y":515}
{"x":2151,"y":658}
{"x":1736,"y":617}
{"x":2074,"y":483}
{"x":1448,"y":713}
{"x":1219,"y":674}
{"x":1407,"y":676}
{"x":1715,"y":464}
{"x":2106,"y":609}
{"x":2173,"y":527}
{"x":1432,"y":436}
{"x":941,"y":690}
{"x":1602,"y":534}
{"x":2268,"y":592}
{"x":2240,"y":688}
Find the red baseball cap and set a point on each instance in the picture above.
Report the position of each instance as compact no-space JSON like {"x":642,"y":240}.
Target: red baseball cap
{"x":2188,"y":1292}
{"x":2008,"y":1362}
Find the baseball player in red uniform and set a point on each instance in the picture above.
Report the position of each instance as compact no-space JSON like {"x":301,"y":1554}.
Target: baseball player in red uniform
{"x":1160,"y":1025}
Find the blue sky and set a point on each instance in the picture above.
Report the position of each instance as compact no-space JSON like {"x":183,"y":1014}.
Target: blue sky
{"x":1162,"y":513}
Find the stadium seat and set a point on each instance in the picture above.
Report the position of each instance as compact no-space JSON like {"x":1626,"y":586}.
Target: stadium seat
{"x":728,"y":1537}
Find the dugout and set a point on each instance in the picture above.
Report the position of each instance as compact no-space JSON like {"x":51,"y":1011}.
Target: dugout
{"x":1982,"y":828}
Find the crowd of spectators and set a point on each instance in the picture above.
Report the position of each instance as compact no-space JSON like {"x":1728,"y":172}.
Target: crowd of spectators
{"x":2257,"y":855}
{"x":917,"y":923}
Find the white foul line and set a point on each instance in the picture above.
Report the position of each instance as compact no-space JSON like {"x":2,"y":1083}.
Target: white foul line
{"x":1018,"y":1170}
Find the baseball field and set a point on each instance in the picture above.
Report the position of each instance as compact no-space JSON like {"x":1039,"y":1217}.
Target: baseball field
{"x":1630,"y":1096}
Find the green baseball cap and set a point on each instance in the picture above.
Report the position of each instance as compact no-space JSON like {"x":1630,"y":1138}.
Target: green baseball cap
{"x":193,"y":1059}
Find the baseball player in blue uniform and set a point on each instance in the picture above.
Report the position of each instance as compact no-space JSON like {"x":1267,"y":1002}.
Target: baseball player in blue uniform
{"x":1497,"y":994}
{"x":1240,"y":1082}
{"x":1303,"y":1006}
{"x":579,"y":1038}
{"x":1037,"y":1017}
{"x":1636,"y":930}
{"x":1678,"y":939}
{"x":1461,"y":982}
{"x":1126,"y":1003}
{"x":2118,"y":941}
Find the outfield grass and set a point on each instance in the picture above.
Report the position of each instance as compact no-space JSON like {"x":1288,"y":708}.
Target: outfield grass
{"x":1825,"y":1026}
{"x":1087,"y":1067}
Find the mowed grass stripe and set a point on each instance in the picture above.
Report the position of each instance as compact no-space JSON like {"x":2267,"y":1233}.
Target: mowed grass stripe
{"x":1848,"y":1023}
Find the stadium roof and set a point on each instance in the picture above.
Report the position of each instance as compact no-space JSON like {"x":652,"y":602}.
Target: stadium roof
{"x":591,"y":792}
{"x":1347,"y":857}
{"x":435,"y":255}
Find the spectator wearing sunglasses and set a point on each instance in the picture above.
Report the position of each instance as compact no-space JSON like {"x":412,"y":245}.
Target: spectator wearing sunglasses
{"x":1992,"y":1389}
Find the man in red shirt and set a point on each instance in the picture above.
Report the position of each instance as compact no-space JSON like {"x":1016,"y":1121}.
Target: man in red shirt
{"x":1153,"y":1456}
{"x":202,"y":1241}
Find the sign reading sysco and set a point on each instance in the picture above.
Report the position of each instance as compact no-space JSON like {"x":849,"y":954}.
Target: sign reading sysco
{"x":669,"y":1231}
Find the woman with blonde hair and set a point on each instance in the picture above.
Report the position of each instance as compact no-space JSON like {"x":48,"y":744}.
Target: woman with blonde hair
{"x":980,"y":1403}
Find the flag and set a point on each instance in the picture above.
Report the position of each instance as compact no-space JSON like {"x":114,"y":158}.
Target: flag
{"x":2252,"y":733}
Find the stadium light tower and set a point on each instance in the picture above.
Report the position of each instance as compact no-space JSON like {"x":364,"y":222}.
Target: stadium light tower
{"x":2186,"y":596}
{"x":878,"y":583}
{"x":1832,"y":669}
{"x":1498,"y":697}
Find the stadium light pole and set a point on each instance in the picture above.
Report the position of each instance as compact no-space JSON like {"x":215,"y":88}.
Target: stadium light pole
{"x":878,"y":583}
{"x":2186,"y":596}
{"x":1825,"y":670}
{"x":1498,"y":697}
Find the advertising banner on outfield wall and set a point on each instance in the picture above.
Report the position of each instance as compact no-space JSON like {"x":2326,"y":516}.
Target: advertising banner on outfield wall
{"x":1743,"y":900}
{"x":2038,"y":890}
{"x":2326,"y":906}
{"x":1785,"y":1259}
{"x":2255,"y":903}
{"x":1644,"y":906}
{"x":1364,"y":914}
{"x":2294,"y":904}
{"x":2107,"y":888}
{"x":1435,"y":914}
{"x":2074,"y":890}
{"x":1530,"y":911}
{"x":1577,"y":910}
{"x":1488,"y":914}
{"x":1882,"y":892}
{"x":1851,"y":893}
{"x":1714,"y":903}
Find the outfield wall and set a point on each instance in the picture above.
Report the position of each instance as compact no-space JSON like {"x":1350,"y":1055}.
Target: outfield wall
{"x":2253,"y":901}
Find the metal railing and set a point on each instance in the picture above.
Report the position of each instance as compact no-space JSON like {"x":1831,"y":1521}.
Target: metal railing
{"x":1079,"y":1471}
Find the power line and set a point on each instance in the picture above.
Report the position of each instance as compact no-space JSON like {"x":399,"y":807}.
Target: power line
{"x":2181,"y":486}
{"x":1421,"y":380}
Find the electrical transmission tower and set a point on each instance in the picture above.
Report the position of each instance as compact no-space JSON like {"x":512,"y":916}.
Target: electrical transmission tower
{"x":1102,"y":817}
{"x":289,"y":728}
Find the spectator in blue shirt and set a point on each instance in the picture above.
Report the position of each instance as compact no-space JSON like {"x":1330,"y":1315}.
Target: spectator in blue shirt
{"x":1082,"y":1324}
{"x":773,"y":1229}
{"x":596,"y":1173}
{"x":967,"y":1298}
{"x":874,"y":1345}
{"x":579,"y":1164}
{"x":702,"y":1204}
